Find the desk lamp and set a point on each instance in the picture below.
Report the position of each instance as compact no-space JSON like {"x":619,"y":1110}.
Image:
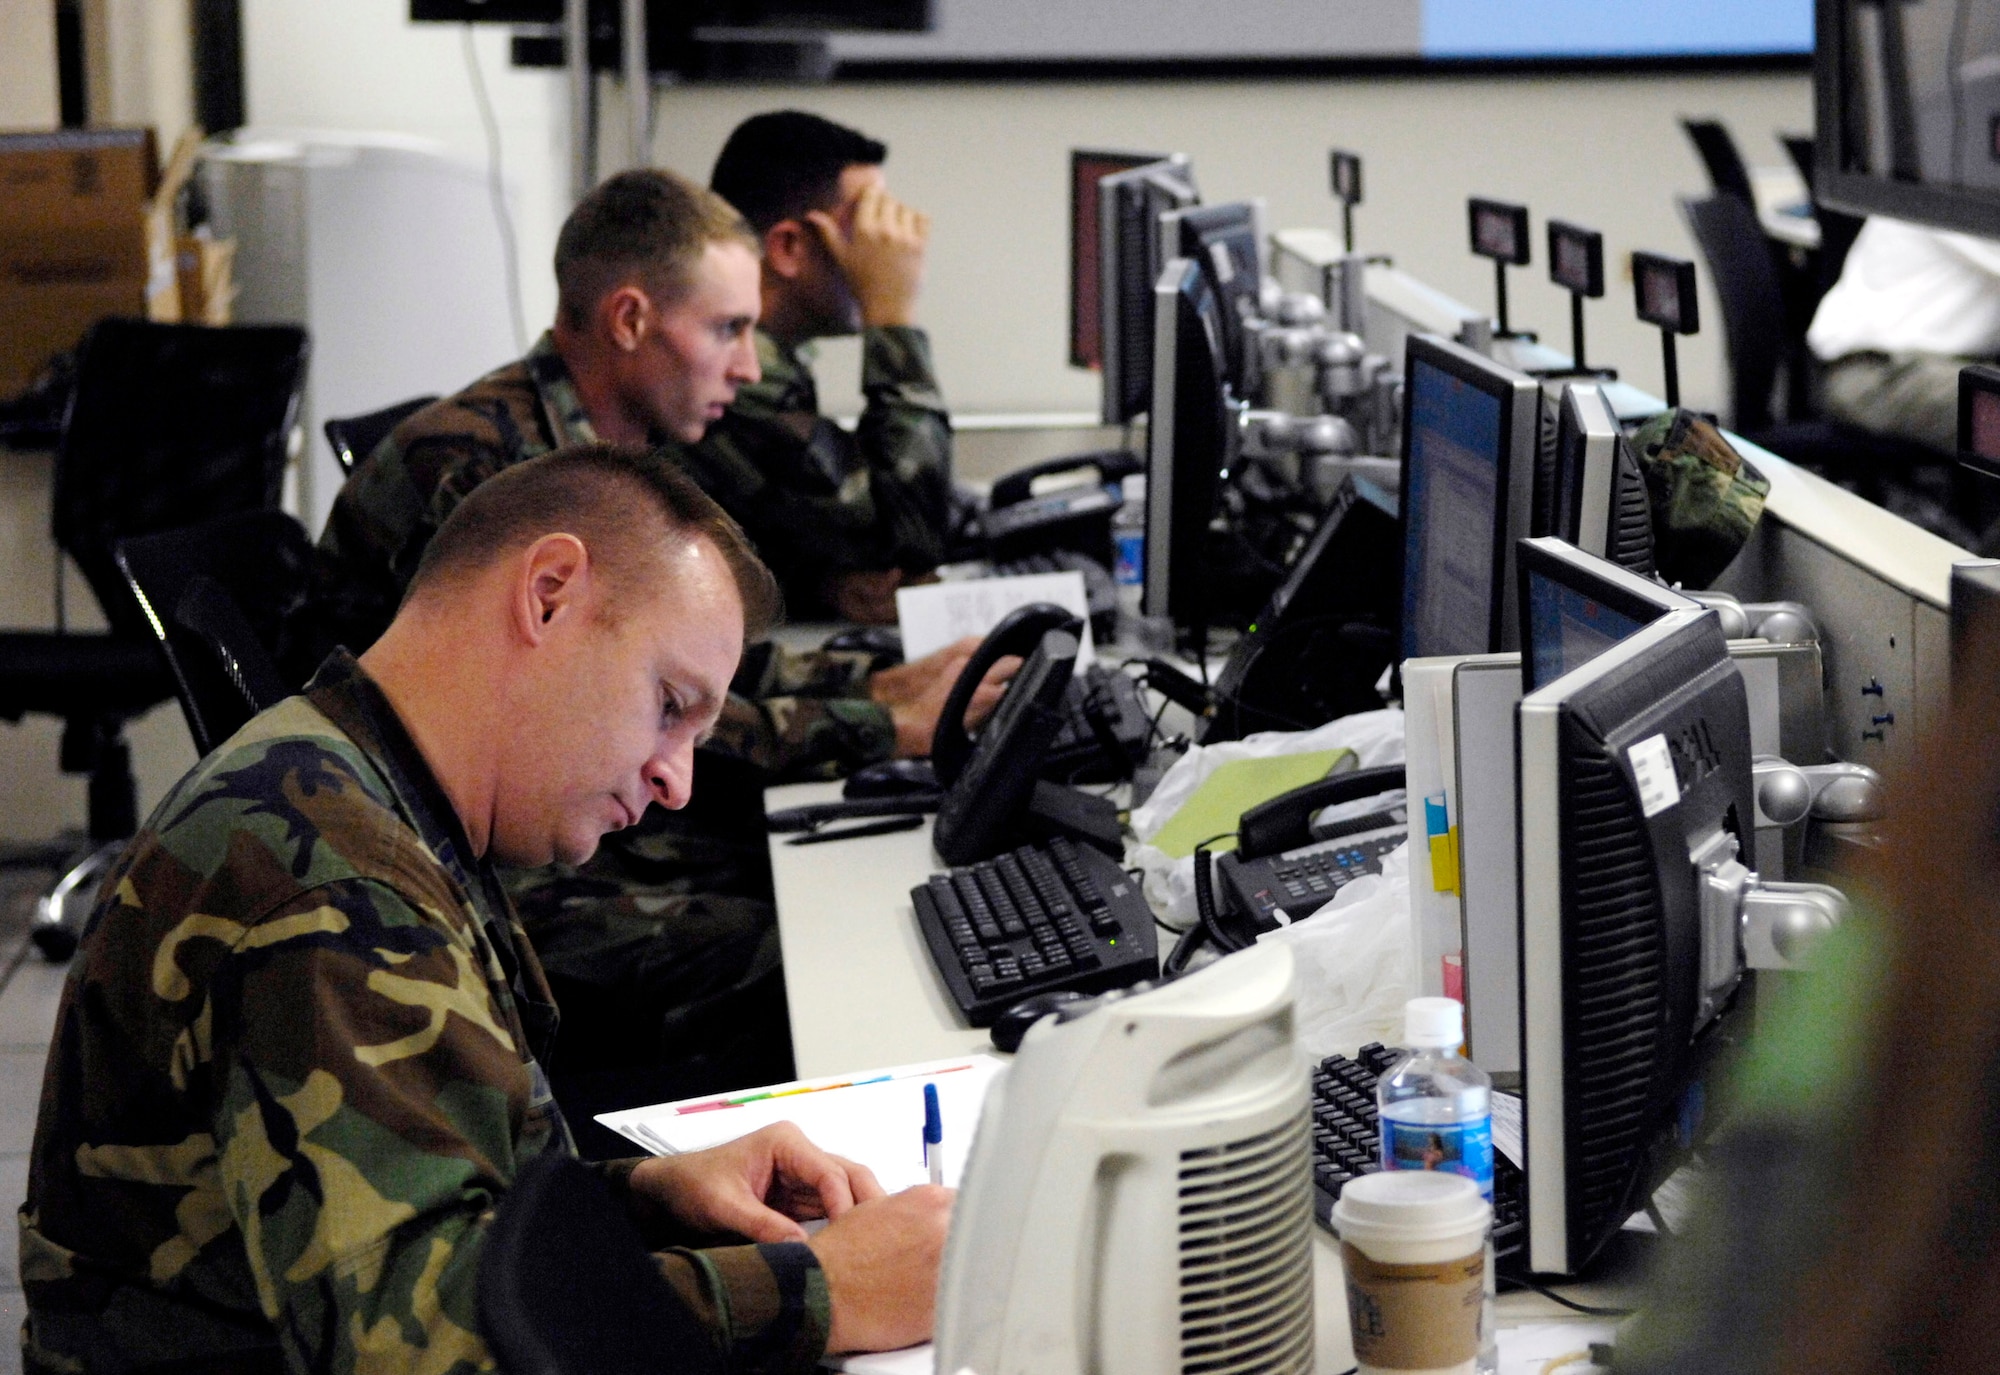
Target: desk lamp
{"x":1576,"y":264}
{"x":1500,"y":232}
{"x":1664,"y":291}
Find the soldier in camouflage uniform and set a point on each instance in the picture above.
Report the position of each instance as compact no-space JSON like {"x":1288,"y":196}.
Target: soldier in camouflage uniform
{"x":298,"y":1061}
{"x":842,"y":519}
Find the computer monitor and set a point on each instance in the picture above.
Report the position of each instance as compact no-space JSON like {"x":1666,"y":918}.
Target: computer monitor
{"x":1975,"y":612}
{"x":1139,"y":1193}
{"x":1979,"y":418}
{"x":1595,"y":495}
{"x":1316,"y":650}
{"x":1469,"y":436}
{"x":1635,"y":785}
{"x":1227,"y":242}
{"x":1130,"y":256}
{"x":1192,"y":443}
{"x":1575,"y":605}
{"x":1087,"y":167}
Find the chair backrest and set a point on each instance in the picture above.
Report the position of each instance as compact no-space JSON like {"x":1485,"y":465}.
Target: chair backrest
{"x":566,"y":1287}
{"x":1753,"y":306}
{"x":170,"y":425}
{"x":1800,"y":148}
{"x":1718,"y":154}
{"x":215,"y":595}
{"x":354,"y":437}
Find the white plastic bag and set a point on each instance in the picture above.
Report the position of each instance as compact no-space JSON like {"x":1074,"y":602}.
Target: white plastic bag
{"x":1355,"y":968}
{"x":1376,"y":737}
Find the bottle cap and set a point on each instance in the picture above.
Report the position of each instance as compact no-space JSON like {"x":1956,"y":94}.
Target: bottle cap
{"x":1433,"y":1023}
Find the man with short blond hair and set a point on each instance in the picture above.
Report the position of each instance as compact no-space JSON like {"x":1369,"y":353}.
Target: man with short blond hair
{"x":298,"y":1062}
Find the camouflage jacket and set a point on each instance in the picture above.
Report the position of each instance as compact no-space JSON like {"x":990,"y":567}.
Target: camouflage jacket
{"x":401,"y":493}
{"x":294,"y":1073}
{"x":818,"y":501}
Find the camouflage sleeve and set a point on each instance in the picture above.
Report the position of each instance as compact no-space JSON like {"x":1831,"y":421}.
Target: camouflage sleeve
{"x":363,"y":1143}
{"x":770,"y":670}
{"x":905,"y":436}
{"x":799,"y":738}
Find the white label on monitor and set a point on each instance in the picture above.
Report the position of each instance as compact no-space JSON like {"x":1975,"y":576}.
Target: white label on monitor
{"x":1653,"y":767}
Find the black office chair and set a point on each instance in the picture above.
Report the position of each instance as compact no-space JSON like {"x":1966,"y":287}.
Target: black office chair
{"x":355,"y":437}
{"x":170,"y":424}
{"x":1726,"y":172}
{"x":215,"y":595}
{"x":566,"y":1286}
{"x":1908,"y":479}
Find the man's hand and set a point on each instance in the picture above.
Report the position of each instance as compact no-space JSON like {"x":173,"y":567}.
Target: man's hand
{"x":756,"y":1186}
{"x":914,"y":693}
{"x":867,"y":595}
{"x":882,"y":256}
{"x":881,"y":1268}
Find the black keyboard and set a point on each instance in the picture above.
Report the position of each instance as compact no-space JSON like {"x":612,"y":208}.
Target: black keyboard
{"x":1300,"y":882}
{"x":1035,"y":920}
{"x":1079,"y":754}
{"x":1347,"y":1141}
{"x":1100,"y":589}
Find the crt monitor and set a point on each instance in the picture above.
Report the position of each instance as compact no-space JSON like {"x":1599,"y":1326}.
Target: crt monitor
{"x":1087,"y":167}
{"x":1574,"y":606}
{"x":1131,"y":253}
{"x":1225,"y":240}
{"x":1469,"y":436}
{"x":1634,"y":783}
{"x":1596,"y":495}
{"x":1192,"y":442}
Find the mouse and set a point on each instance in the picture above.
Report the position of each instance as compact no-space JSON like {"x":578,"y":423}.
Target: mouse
{"x":883,"y":642}
{"x":892,"y":778}
{"x":1010,"y":1026}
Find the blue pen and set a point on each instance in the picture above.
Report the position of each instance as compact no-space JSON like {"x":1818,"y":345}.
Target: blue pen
{"x":933,"y":1135}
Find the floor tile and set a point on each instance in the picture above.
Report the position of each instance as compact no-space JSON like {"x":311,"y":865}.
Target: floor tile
{"x":13,"y":1188}
{"x":28,"y":1002}
{"x":13,"y":1308}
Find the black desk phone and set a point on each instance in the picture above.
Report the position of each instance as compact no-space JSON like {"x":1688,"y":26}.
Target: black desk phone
{"x":994,"y":796}
{"x":1284,"y":869}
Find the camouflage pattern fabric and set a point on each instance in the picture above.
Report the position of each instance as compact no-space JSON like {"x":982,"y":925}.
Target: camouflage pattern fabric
{"x":295,"y":1070}
{"x":818,"y":501}
{"x":1706,"y":497}
{"x":401,"y":493}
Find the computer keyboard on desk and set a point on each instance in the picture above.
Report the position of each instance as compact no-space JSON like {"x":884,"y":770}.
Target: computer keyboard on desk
{"x":1035,"y":920}
{"x":1347,"y":1141}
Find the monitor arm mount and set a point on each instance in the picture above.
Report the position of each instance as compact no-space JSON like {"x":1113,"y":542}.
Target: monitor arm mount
{"x":1748,"y":922}
{"x":1784,"y":623}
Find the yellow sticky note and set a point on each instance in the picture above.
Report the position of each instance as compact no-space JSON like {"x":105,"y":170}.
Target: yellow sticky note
{"x":1444,"y":861}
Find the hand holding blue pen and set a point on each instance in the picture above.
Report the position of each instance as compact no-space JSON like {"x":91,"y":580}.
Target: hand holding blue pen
{"x":933,"y":1135}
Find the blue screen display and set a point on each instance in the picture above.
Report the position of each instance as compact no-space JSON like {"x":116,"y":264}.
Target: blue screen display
{"x":1614,"y":28}
{"x":1452,"y":494}
{"x":1567,"y":629}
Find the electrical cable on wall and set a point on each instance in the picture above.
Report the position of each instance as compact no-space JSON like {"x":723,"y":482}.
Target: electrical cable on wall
{"x":496,"y":184}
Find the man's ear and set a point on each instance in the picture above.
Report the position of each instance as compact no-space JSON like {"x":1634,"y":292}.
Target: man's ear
{"x":788,"y":248}
{"x":624,"y":315}
{"x":553,"y":577}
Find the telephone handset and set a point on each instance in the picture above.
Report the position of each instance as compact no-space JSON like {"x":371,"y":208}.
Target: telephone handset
{"x":995,"y":798}
{"x":1284,"y":869}
{"x":1017,"y":634}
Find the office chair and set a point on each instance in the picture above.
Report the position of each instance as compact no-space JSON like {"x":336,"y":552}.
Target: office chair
{"x":1918,"y":485}
{"x":1726,"y":172}
{"x":566,"y":1286}
{"x":215,"y":595}
{"x":355,"y":437}
{"x":169,"y":424}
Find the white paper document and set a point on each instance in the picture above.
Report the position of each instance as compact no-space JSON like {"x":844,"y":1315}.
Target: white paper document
{"x":934,"y":615}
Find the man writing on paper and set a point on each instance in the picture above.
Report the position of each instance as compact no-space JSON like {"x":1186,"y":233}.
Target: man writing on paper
{"x":298,"y":1059}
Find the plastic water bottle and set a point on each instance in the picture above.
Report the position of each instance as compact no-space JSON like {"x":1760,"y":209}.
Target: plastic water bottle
{"x":1436,"y":1106}
{"x":1128,"y":532}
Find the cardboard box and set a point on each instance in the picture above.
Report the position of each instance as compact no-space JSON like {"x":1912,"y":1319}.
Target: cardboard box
{"x":73,"y":245}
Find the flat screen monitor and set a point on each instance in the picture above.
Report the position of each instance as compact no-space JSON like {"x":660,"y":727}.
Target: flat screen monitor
{"x":892,"y":16}
{"x":1574,"y":606}
{"x":1634,"y":778}
{"x":1087,"y":167}
{"x":1469,"y":434}
{"x":1226,"y":241}
{"x":1907,"y":112}
{"x":1596,"y":495}
{"x":1975,"y":614}
{"x":1131,"y":254}
{"x":1192,"y":442}
{"x":1979,"y":418}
